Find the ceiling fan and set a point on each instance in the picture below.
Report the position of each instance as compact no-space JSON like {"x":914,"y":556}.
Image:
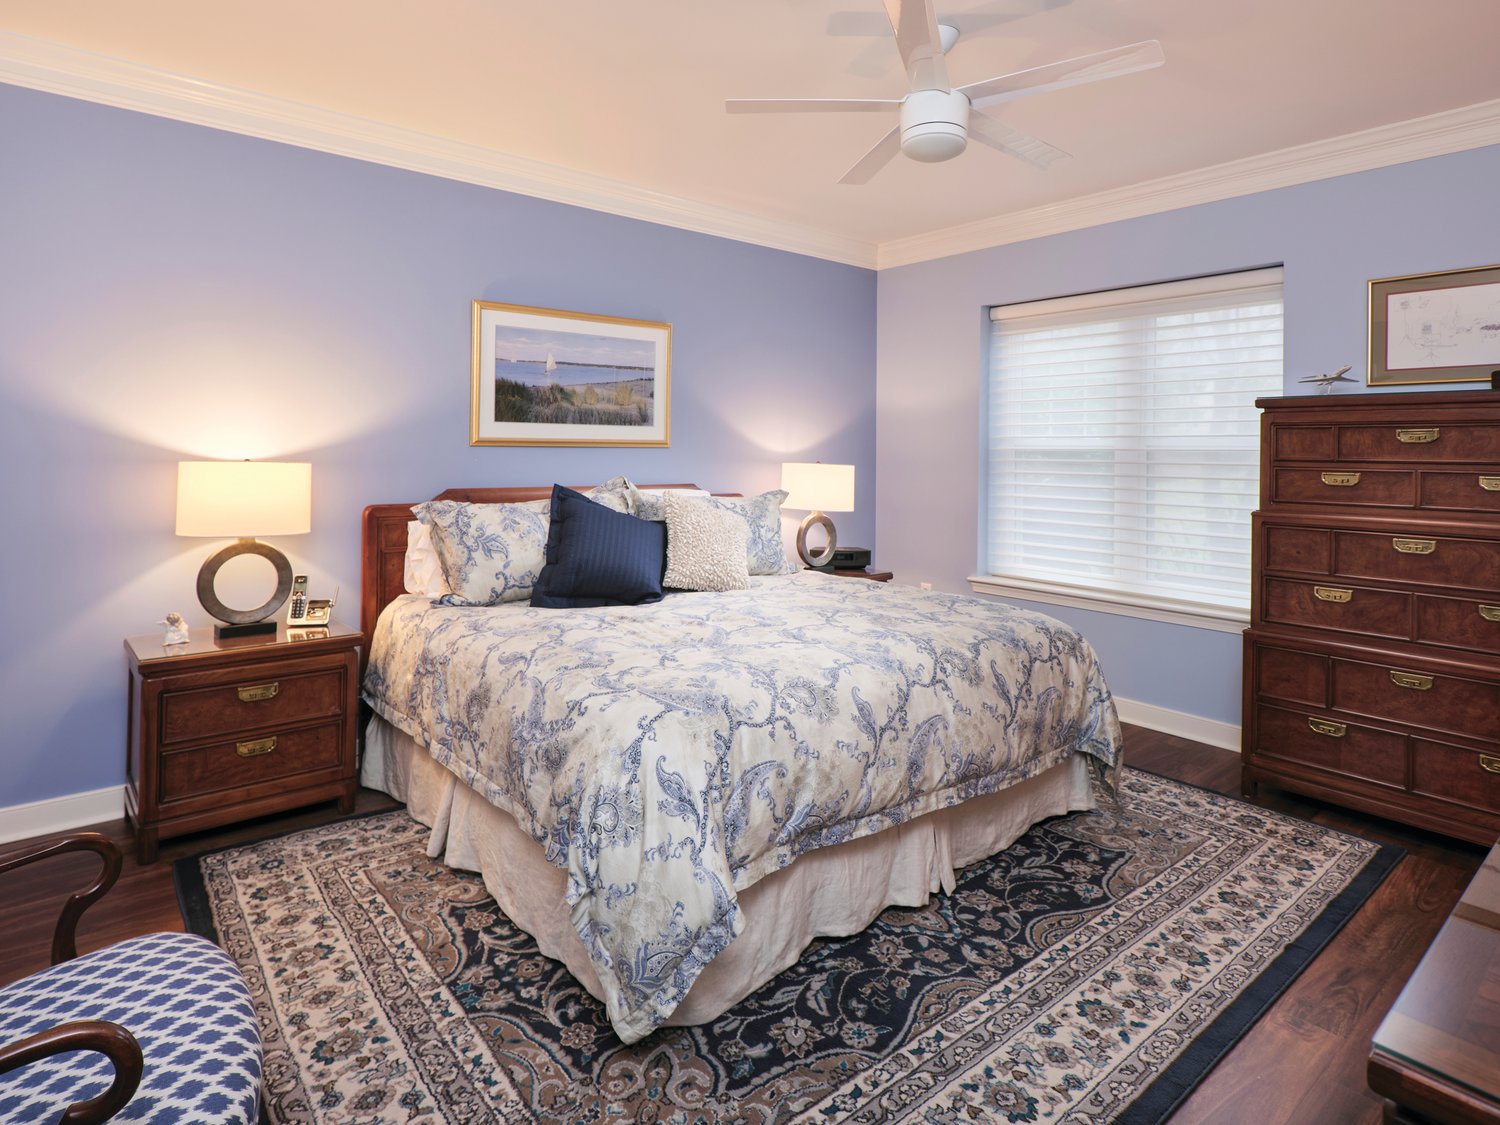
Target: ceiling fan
{"x":936,"y":122}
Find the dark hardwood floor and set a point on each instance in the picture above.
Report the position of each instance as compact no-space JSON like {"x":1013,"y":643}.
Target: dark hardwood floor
{"x":1302,"y":1064}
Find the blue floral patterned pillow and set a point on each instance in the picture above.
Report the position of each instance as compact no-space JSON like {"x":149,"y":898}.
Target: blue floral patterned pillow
{"x":762,"y":516}
{"x":491,"y":553}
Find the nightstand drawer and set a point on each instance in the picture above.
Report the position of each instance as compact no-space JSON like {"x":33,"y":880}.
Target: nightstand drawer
{"x":248,"y":761}
{"x":250,"y":703}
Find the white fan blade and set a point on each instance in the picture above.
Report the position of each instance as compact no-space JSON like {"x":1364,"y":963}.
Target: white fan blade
{"x":915,"y":25}
{"x":874,"y":160}
{"x":1070,"y":72}
{"x":811,"y":105}
{"x":1013,"y":142}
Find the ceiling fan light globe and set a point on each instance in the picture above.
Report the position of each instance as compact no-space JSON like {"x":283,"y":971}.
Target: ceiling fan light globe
{"x":934,"y":125}
{"x":933,"y":143}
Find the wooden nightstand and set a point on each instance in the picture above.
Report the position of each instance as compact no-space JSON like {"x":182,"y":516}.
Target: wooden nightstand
{"x":222,"y":731}
{"x":872,"y":575}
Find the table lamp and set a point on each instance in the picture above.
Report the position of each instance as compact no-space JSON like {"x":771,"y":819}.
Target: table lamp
{"x":818,"y":488}
{"x":244,"y":499}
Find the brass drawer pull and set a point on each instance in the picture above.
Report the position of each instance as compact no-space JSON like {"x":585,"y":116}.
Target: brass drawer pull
{"x":1323,"y":726}
{"x":1341,"y":480}
{"x":1411,"y":680}
{"x":1490,"y":612}
{"x":1490,"y":484}
{"x":257,"y":692}
{"x":1418,"y":437}
{"x":1489,"y":764}
{"x":255,"y":748}
{"x":1415,"y":546}
{"x":1332,"y":594}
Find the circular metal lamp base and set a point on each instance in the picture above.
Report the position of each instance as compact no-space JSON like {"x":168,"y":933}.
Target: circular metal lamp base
{"x":819,"y":560}
{"x":244,"y":622}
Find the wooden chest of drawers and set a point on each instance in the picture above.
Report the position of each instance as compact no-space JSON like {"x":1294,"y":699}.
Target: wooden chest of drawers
{"x":225,"y":731}
{"x":1372,"y":664}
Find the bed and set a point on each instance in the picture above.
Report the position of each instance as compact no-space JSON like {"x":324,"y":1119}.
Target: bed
{"x":674,"y":799}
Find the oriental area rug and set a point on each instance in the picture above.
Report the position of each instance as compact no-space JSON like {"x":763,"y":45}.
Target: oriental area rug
{"x":1094,"y":971}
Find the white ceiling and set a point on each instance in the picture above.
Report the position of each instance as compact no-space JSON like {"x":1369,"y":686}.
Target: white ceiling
{"x":631,"y":94}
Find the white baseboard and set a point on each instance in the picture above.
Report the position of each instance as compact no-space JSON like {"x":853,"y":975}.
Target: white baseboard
{"x":1226,"y":736}
{"x":59,"y":814}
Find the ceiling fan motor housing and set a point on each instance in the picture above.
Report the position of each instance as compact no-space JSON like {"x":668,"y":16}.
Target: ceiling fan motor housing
{"x":934,"y":125}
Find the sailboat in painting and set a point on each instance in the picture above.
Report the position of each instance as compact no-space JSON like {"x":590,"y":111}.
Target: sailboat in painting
{"x":550,"y":367}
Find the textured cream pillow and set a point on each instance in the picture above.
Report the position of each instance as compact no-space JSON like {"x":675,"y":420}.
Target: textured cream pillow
{"x":705,"y":546}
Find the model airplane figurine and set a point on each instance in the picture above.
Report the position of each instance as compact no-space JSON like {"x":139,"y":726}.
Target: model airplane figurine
{"x":1325,"y":382}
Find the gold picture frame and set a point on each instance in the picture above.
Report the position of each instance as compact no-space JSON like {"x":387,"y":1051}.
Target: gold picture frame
{"x":1435,"y":327}
{"x":549,"y":377}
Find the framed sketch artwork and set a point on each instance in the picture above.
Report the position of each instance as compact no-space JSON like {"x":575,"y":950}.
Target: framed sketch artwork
{"x":1435,"y":327}
{"x":545,"y":377}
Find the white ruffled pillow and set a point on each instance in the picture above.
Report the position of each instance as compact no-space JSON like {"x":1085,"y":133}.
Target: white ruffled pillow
{"x":423,"y":573}
{"x":705,"y":546}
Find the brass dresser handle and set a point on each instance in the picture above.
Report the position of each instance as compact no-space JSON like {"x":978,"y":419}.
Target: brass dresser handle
{"x":1341,"y":480}
{"x":256,"y":692}
{"x":1415,"y":546}
{"x":1492,"y":765}
{"x":1323,"y":726}
{"x":1418,"y":437}
{"x":1490,"y":612}
{"x":1411,"y":680}
{"x":1490,"y":484}
{"x":1332,"y":594}
{"x":255,"y":748}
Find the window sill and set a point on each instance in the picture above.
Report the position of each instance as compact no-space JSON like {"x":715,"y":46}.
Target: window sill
{"x":1192,"y":614}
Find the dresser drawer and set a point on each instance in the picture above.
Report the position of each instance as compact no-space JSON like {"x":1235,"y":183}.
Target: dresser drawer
{"x":1328,"y":605}
{"x":1419,"y":441}
{"x":1376,"y":488}
{"x":1432,"y":701}
{"x":1430,"y":560}
{"x":1298,"y":550}
{"x":1459,"y":622}
{"x":1290,"y":676}
{"x":248,"y":703}
{"x":1333,"y":745}
{"x":1461,"y":492}
{"x":234,"y":765}
{"x":1466,"y":777}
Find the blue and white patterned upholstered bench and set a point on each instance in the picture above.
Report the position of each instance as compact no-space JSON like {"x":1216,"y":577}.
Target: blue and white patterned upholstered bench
{"x":184,"y":1001}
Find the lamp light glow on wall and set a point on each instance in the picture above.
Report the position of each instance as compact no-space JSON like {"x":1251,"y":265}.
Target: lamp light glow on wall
{"x":818,"y":488}
{"x":243,"y":500}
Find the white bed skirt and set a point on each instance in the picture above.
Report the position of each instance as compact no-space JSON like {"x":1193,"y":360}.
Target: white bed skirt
{"x":830,"y":892}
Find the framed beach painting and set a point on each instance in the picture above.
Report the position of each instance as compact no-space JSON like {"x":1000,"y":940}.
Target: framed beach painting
{"x":545,"y":377}
{"x":1435,"y":327}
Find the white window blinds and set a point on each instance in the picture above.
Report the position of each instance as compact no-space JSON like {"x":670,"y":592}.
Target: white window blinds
{"x":1123,"y":438}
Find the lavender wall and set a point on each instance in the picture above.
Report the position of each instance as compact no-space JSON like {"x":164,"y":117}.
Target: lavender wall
{"x":1332,"y":236}
{"x":171,"y":292}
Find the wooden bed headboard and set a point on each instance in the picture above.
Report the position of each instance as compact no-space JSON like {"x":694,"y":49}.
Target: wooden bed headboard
{"x":383,"y":544}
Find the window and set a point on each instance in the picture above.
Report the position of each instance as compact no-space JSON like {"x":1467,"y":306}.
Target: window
{"x":1123,"y":445}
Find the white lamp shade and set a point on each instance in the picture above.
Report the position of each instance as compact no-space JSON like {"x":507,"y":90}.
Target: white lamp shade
{"x":244,"y":499}
{"x":815,"y":487}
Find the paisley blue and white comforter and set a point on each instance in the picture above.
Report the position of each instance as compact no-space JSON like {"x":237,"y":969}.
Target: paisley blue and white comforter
{"x":669,"y":755}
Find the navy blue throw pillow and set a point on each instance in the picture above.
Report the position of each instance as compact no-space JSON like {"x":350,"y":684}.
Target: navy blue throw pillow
{"x":597,"y":556}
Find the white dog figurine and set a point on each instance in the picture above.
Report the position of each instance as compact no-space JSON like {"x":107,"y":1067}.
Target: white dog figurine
{"x":177,"y":630}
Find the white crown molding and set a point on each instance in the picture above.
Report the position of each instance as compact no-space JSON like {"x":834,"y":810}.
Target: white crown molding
{"x":39,"y":64}
{"x":59,"y":814}
{"x":1439,"y":134}
{"x":52,"y":67}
